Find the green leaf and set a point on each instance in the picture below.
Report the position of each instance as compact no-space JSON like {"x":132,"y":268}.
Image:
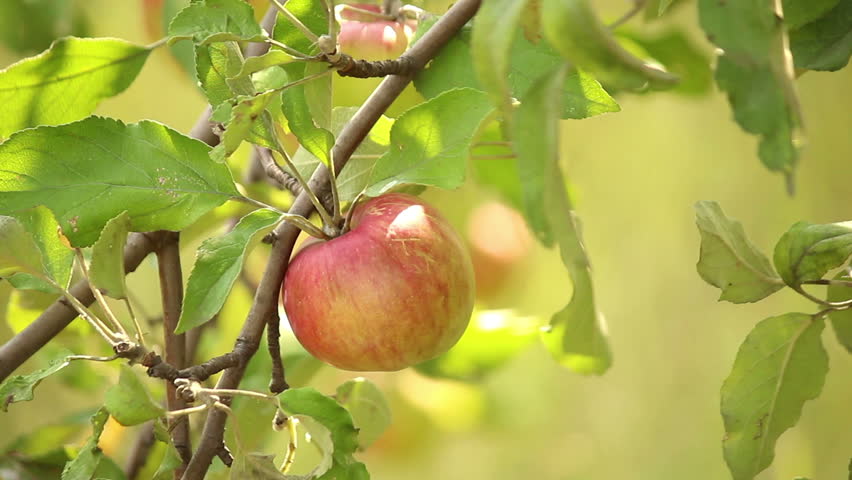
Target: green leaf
{"x":807,"y":252}
{"x":28,"y":26}
{"x":256,"y":466}
{"x":84,"y":465}
{"x":492,"y":164}
{"x":66,"y":82}
{"x":370,"y":411}
{"x":756,"y":72}
{"x":491,"y":340}
{"x":841,"y":320}
{"x":217,"y":266}
{"x":801,"y":12}
{"x":430,"y":142}
{"x":19,"y":388}
{"x":269,"y":59}
{"x":318,"y":94}
{"x":729,"y":261}
{"x":128,"y":401}
{"x":56,"y":258}
{"x":248,"y":121}
{"x":210,"y":21}
{"x":107,"y":266}
{"x":780,"y":365}
{"x":579,"y":35}
{"x":26,"y":281}
{"x":582,"y":95}
{"x":825,"y":43}
{"x":324,"y":411}
{"x":575,"y":337}
{"x":171,"y":461}
{"x":681,"y":56}
{"x":19,"y":252}
{"x":313,"y":15}
{"x":301,"y":119}
{"x":218,"y":67}
{"x":494,"y":29}
{"x":163,"y":179}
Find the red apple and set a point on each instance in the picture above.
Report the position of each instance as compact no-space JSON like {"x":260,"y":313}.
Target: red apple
{"x":500,"y":242}
{"x":394,"y":291}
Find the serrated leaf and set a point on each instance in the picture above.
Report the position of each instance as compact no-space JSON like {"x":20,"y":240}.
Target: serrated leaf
{"x":370,"y":411}
{"x":66,"y":82}
{"x":336,"y":420}
{"x":312,"y":14}
{"x":56,"y":258}
{"x":729,"y":261}
{"x":107,"y":266}
{"x":218,"y":68}
{"x":807,"y":251}
{"x":217,"y":266}
{"x":755,"y":70}
{"x":84,"y":465}
{"x":430,"y":142}
{"x":211,"y":21}
{"x":128,"y":401}
{"x":780,"y":365}
{"x":19,"y":388}
{"x":841,"y":320}
{"x":576,"y":32}
{"x":494,"y":29}
{"x":826,"y":42}
{"x":248,"y":121}
{"x":582,"y":96}
{"x":19,"y":252}
{"x":163,"y":179}
{"x":575,"y":337}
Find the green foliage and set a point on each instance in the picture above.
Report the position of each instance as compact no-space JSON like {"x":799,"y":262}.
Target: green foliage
{"x":807,"y":252}
{"x":217,"y":266}
{"x":107,"y":267}
{"x":19,"y":388}
{"x":312,"y":14}
{"x":826,"y":42}
{"x":66,"y":82}
{"x":167,"y":184}
{"x":211,"y":21}
{"x":215,"y":65}
{"x":128,"y":401}
{"x":316,"y":140}
{"x":430,"y":142}
{"x":841,"y":320}
{"x":680,"y":56}
{"x":729,"y":260}
{"x":370,"y":412}
{"x":780,"y":366}
{"x":755,"y":72}
{"x":32,"y":25}
{"x":85,"y":464}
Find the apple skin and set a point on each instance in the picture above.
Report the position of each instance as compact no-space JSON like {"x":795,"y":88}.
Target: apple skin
{"x":396,"y":290}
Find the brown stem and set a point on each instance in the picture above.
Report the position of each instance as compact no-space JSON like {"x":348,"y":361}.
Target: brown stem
{"x":266,"y":297}
{"x":171,"y":289}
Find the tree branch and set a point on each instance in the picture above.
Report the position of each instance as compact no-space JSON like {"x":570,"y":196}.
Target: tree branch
{"x":266,"y":298}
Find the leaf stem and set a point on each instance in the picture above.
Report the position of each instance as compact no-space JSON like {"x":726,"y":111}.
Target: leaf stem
{"x":290,"y":456}
{"x":832,"y":305}
{"x":299,"y":221}
{"x":290,"y":50}
{"x":99,"y":297}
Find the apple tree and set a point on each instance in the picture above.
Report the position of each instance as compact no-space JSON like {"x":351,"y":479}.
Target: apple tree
{"x":327,"y":121}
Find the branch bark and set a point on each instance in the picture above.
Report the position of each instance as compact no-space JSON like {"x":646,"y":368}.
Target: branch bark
{"x":265,"y":303}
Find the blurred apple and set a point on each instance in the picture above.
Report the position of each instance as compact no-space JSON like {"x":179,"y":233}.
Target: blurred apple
{"x":499,"y":242}
{"x":371,"y":37}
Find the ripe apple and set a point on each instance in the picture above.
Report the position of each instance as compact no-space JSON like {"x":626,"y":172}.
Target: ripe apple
{"x":499,"y":241}
{"x":394,"y":291}
{"x":366,"y":37}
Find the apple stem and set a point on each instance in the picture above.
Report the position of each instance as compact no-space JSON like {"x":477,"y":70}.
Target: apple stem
{"x":347,"y":224}
{"x":295,"y":21}
{"x":335,"y":197}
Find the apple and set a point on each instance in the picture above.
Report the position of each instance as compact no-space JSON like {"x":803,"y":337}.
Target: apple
{"x":368,"y":37}
{"x":396,"y":290}
{"x":500,"y":242}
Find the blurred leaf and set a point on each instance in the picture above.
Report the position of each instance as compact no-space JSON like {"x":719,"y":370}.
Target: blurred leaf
{"x":218,"y":68}
{"x":67,"y":82}
{"x":825,"y":43}
{"x":43,"y":440}
{"x":756,"y":72}
{"x":128,"y":401}
{"x":430,"y":142}
{"x":676,"y":51}
{"x":256,"y":466}
{"x":578,"y":34}
{"x":19,"y":388}
{"x":495,"y":166}
{"x":780,"y":365}
{"x":248,"y":121}
{"x":171,"y":460}
{"x":56,"y":257}
{"x":307,"y":402}
{"x":210,"y":21}
{"x":575,"y":338}
{"x":491,"y":340}
{"x":531,"y":21}
{"x":217,"y":266}
{"x":313,"y":15}
{"x":83,"y":466}
{"x":108,"y":470}
{"x":26,"y":281}
{"x":19,"y":252}
{"x":32,"y":25}
{"x":106,"y":269}
{"x":841,"y":320}
{"x":801,"y":12}
{"x":582,"y":95}
{"x":807,"y":252}
{"x":729,"y":261}
{"x":370,"y":412}
{"x":301,"y":119}
{"x":494,"y":29}
{"x":163,"y":179}
{"x":27,"y":301}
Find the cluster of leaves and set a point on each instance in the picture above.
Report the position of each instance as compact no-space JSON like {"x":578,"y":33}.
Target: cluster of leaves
{"x":782,"y":363}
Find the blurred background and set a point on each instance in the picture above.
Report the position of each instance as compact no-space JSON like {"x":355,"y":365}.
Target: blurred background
{"x":635,"y":176}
